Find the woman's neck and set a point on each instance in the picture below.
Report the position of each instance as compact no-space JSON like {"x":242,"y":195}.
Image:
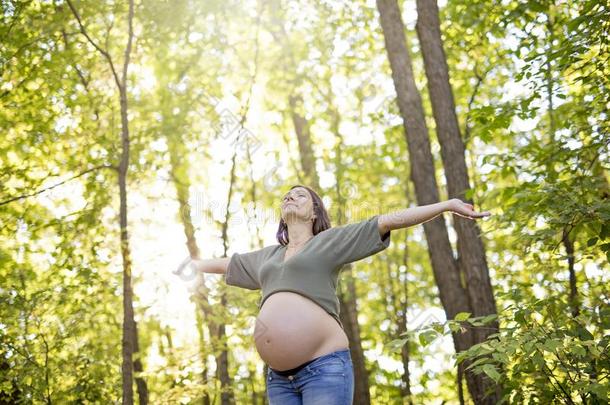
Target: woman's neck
{"x":299,"y":233}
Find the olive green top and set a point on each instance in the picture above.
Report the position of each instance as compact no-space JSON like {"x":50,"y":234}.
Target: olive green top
{"x":313,"y":271}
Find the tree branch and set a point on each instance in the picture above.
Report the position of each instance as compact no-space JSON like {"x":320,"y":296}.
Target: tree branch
{"x":58,"y":184}
{"x":92,"y":42}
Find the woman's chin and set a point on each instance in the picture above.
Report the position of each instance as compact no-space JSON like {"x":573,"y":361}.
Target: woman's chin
{"x":290,"y":216}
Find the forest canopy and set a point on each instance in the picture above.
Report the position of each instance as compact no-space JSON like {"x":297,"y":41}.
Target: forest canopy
{"x":137,"y":136}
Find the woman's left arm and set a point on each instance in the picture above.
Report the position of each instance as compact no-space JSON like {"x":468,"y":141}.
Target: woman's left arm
{"x":417,"y":215}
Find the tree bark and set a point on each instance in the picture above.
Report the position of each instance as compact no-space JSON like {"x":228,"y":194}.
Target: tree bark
{"x":138,"y":368}
{"x":402,"y":321}
{"x":129,"y":338}
{"x":454,"y":295}
{"x":472,"y":261}
{"x":347,"y":288}
{"x":179,"y":170}
{"x":301,"y":129}
{"x":222,"y":358}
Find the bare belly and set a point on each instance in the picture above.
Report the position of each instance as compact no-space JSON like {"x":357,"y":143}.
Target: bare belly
{"x":292,"y":329}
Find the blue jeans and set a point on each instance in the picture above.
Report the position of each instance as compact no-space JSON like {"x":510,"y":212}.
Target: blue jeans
{"x":329,"y":380}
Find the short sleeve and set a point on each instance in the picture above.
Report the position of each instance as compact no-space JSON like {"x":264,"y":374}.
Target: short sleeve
{"x":356,"y":241}
{"x":244,"y":268}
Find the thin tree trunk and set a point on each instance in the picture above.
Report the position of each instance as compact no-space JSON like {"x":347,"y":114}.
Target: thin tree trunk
{"x":167,"y":333}
{"x":222,"y":358}
{"x":201,"y":321}
{"x":254,"y":199}
{"x":179,"y":170}
{"x":565,"y":237}
{"x":453,"y":294}
{"x":301,"y":129}
{"x":129,"y":337}
{"x":222,"y":361}
{"x":137,"y":367}
{"x":257,"y":232}
{"x":348,"y":313}
{"x":403,"y":321}
{"x":348,"y":296}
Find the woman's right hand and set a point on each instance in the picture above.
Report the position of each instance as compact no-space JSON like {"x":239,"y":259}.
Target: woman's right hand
{"x":465,"y":210}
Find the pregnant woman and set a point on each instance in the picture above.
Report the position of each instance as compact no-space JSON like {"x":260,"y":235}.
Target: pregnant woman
{"x":298,"y":333}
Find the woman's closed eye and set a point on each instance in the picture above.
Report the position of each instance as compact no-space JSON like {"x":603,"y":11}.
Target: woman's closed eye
{"x":299,"y":196}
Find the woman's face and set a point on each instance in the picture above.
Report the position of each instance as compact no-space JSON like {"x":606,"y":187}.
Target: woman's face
{"x":297,"y":203}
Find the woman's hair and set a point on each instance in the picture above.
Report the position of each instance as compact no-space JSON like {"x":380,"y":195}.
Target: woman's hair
{"x":321,"y":222}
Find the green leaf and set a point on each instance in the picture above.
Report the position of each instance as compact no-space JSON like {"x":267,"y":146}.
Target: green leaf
{"x":600,"y":390}
{"x":488,"y":318}
{"x":462,"y":316}
{"x":500,"y":357}
{"x":491,"y":372}
{"x":573,"y":25}
{"x":578,"y":350}
{"x":426,"y":337}
{"x":459,"y":357}
{"x":592,"y":241}
{"x":453,"y":326}
{"x":551,"y":344}
{"x":438,"y":327}
{"x":478,"y":362}
{"x":538,"y":359}
{"x":397,"y":344}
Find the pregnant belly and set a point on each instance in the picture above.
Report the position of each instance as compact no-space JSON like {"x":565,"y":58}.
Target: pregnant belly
{"x":292,"y":329}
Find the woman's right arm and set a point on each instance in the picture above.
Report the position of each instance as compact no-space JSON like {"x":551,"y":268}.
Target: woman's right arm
{"x":216,"y":265}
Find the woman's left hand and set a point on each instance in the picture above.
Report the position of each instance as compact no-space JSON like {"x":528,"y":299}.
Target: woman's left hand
{"x":465,"y":210}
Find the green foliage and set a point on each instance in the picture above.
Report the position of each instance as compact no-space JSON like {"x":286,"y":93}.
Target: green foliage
{"x":541,"y":355}
{"x":538,"y":65}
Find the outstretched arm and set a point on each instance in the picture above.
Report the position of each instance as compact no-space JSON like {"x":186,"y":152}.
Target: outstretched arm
{"x":416,"y":215}
{"x":215,"y":265}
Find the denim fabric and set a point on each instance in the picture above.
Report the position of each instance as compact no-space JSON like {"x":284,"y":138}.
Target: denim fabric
{"x":329,"y":380}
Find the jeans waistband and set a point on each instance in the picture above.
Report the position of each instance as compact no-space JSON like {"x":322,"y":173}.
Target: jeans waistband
{"x":344,"y":353}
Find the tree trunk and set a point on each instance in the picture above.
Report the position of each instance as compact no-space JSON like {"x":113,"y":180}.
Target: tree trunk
{"x":565,"y":236}
{"x":349,"y":317}
{"x":137,"y":367}
{"x":222,"y":359}
{"x":301,"y":129}
{"x":179,"y":173}
{"x":128,"y":316}
{"x":453,"y":294}
{"x":470,"y":246}
{"x":201,"y":321}
{"x":403,"y":304}
{"x":472,"y":261}
{"x":257,"y":232}
{"x":347,"y":288}
{"x":129,"y":338}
